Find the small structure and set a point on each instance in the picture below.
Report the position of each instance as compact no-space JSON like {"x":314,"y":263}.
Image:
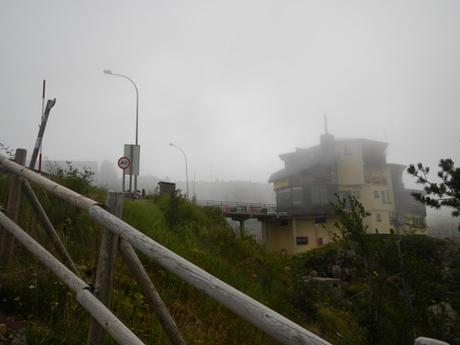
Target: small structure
{"x":167,"y":188}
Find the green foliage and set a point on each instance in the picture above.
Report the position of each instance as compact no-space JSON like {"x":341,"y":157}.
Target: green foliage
{"x":198,"y":234}
{"x":396,"y":284}
{"x":371,"y":307}
{"x":445,"y":193}
{"x":68,"y":176}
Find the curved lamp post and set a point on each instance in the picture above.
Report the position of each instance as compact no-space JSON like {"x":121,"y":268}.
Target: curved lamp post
{"x":186,"y":165}
{"x":109,"y":72}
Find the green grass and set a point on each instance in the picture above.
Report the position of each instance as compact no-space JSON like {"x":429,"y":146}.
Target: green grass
{"x":200,"y":235}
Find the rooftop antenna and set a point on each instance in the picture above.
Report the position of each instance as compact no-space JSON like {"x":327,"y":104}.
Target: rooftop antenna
{"x":325,"y":124}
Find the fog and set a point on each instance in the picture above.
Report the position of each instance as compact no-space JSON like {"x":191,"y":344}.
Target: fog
{"x":233,"y":83}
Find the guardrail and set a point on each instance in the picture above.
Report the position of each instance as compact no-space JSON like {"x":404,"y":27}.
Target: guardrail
{"x":234,"y":207}
{"x":272,"y":323}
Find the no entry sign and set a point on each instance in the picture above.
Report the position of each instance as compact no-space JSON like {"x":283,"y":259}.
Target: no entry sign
{"x":124,"y":162}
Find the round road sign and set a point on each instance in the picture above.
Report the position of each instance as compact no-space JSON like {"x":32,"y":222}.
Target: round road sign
{"x":124,"y":162}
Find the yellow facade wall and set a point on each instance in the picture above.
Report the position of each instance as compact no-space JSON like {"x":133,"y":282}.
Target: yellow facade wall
{"x":282,"y":238}
{"x":350,"y":164}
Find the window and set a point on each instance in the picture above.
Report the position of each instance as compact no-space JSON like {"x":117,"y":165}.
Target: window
{"x":320,"y":220}
{"x":319,"y":195}
{"x":283,"y":197}
{"x":418,"y":222}
{"x":384,"y":197}
{"x":319,"y":241}
{"x":376,"y":194}
{"x":297,"y":196}
{"x":378,"y":217}
{"x":301,"y":240}
{"x":347,"y":193}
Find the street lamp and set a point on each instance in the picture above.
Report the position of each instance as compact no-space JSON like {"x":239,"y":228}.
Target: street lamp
{"x":109,"y":72}
{"x":186,"y":166}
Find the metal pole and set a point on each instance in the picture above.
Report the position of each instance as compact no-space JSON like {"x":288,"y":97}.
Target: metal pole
{"x":137,"y":122}
{"x":123,"y":181}
{"x":43,"y":113}
{"x":131,"y":171}
{"x":186,"y":164}
{"x":49,"y":105}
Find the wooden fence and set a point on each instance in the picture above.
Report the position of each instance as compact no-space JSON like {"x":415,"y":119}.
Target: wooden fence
{"x":120,"y":236}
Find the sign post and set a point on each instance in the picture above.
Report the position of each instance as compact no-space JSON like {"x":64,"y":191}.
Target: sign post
{"x":132,"y":153}
{"x":124,"y":163}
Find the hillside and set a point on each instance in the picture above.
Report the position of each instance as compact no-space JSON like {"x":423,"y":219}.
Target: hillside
{"x":51,"y":315}
{"x":327,"y":291}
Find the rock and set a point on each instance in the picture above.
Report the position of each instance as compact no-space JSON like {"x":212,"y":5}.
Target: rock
{"x":336,"y":271}
{"x":443,"y":316}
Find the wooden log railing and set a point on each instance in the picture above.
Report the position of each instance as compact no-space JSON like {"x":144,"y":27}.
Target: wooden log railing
{"x":274,"y":324}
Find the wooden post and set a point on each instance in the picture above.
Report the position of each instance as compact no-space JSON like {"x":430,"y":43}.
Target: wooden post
{"x":48,"y":226}
{"x":269,"y":321}
{"x":105,"y":267}
{"x":151,"y":293}
{"x":122,"y":334}
{"x":12,"y":208}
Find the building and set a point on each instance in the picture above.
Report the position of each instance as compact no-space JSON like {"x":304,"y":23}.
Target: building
{"x":310,"y":180}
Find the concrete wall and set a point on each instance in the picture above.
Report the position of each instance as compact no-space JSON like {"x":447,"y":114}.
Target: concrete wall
{"x":282,"y":238}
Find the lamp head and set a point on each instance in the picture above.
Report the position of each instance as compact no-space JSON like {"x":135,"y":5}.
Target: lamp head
{"x":171,"y":144}
{"x":107,"y":71}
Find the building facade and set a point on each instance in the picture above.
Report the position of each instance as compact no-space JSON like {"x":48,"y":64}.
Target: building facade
{"x":311,"y":178}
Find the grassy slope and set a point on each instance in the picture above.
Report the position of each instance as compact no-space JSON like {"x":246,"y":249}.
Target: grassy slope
{"x":202,"y":236}
{"x":199,"y":235}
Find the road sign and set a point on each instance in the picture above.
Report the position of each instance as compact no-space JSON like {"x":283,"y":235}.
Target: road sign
{"x":132,"y":152}
{"x":124,"y":162}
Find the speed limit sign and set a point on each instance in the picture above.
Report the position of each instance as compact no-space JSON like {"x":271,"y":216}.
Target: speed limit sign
{"x":124,"y":162}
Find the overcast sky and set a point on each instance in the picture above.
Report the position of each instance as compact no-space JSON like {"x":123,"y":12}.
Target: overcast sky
{"x":234,"y":83}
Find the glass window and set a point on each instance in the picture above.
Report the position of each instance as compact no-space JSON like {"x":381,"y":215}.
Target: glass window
{"x":378,"y":217}
{"x":319,"y":195}
{"x":301,"y":240}
{"x":376,"y":194}
{"x":384,"y":197}
{"x":297,"y":196}
{"x":283,"y":197}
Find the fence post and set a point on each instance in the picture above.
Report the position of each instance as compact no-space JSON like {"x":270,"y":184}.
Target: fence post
{"x":48,"y":227}
{"x":12,"y":208}
{"x":150,"y":292}
{"x":105,"y":267}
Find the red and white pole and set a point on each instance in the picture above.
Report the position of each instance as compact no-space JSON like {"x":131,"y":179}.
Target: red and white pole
{"x":43,"y":112}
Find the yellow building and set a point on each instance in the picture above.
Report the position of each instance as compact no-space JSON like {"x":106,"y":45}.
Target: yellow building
{"x":306,"y":187}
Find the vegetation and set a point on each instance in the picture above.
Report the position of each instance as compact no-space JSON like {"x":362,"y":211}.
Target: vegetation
{"x":445,"y":193}
{"x":392,"y":289}
{"x":385,"y":290}
{"x":198,"y":234}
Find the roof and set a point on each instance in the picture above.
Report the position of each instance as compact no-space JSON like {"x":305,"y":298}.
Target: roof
{"x":306,"y":159}
{"x":311,"y":156}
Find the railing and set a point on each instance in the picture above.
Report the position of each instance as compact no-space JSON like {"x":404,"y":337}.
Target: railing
{"x":269,"y":321}
{"x":250,"y":209}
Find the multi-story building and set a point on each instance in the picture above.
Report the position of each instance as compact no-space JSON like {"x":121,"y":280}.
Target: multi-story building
{"x":307,"y":186}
